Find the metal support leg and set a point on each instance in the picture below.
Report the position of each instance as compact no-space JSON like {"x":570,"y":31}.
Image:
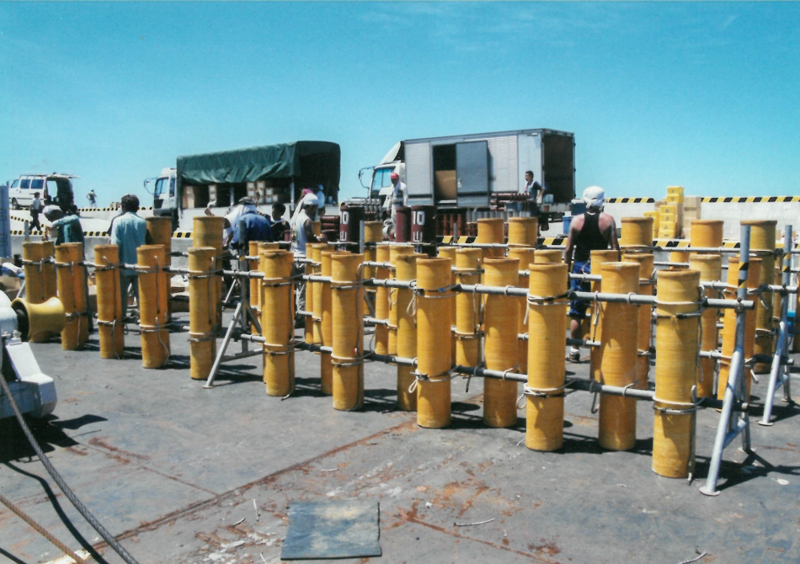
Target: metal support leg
{"x":223,"y":348}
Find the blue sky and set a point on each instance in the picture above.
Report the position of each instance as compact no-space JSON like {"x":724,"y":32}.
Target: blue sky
{"x":703,"y":95}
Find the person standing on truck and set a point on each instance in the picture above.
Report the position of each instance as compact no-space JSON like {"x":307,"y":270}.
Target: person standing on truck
{"x":397,"y":199}
{"x":590,"y":231}
{"x":36,"y":209}
{"x":128,"y":232}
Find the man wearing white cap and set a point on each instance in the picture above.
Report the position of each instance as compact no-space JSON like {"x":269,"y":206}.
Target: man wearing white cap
{"x":590,"y":231}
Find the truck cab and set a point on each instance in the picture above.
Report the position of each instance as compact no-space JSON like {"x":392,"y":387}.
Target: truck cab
{"x":57,"y":186}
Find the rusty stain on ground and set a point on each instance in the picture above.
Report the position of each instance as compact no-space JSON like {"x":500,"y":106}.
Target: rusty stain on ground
{"x":546,"y":547}
{"x":101,"y":443}
{"x":76,"y":450}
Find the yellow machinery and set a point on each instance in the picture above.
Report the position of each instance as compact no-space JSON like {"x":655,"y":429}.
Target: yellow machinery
{"x":277,"y":321}
{"x":501,"y":321}
{"x":109,"y":301}
{"x":547,"y":325}
{"x":348,"y":332}
{"x":676,"y":371}
{"x":434,"y":303}
{"x":153,"y":305}
{"x":468,"y":308}
{"x":406,"y":332}
{"x":762,"y":244}
{"x":617,"y":426}
{"x":71,"y":277}
{"x":202,"y":305}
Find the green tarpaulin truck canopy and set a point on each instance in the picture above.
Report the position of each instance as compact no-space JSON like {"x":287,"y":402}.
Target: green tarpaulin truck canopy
{"x":312,"y":162}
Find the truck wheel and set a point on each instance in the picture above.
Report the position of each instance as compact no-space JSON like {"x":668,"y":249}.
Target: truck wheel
{"x":15,"y":204}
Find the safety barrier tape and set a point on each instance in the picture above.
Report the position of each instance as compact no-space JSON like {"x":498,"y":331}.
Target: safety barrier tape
{"x":631,"y":200}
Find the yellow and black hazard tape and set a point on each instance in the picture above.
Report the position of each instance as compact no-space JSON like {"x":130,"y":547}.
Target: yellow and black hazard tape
{"x":182,"y":235}
{"x":559,"y":241}
{"x":631,"y":200}
{"x":752,"y":200}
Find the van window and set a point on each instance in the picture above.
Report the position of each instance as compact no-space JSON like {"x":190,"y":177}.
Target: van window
{"x":26,"y":183}
{"x":52,"y":187}
{"x":15,"y":183}
{"x":37,"y":183}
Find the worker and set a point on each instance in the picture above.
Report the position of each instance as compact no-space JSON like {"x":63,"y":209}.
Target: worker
{"x":36,"y":209}
{"x":128,"y":232}
{"x":279,"y":225}
{"x":398,"y":197}
{"x":65,"y":225}
{"x":590,"y":231}
{"x":250,"y":226}
{"x":302,"y":234}
{"x":92,"y":197}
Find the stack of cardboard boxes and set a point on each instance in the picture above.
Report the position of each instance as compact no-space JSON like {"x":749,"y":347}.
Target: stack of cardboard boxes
{"x":264,"y":194}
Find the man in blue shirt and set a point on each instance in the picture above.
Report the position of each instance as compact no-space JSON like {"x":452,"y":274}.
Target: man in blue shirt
{"x":250,"y":226}
{"x":128,"y":232}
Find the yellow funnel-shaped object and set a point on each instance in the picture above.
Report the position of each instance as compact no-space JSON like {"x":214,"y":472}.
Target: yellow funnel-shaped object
{"x":433,"y":328}
{"x":637,"y":233}
{"x":348,"y":365}
{"x":644,"y":329}
{"x":502,"y":348}
{"x":406,"y":332}
{"x":617,"y":428}
{"x":202,"y":305}
{"x":547,"y":324}
{"x":72,"y":293}
{"x":597,"y":259}
{"x":710,"y":268}
{"x":382,"y":301}
{"x":548,"y":256}
{"x":491,"y":230}
{"x":676,"y":372}
{"x":395,"y":251}
{"x":729,"y":323}
{"x":525,"y":256}
{"x":109,"y":301}
{"x":277,"y":321}
{"x":523,"y":231}
{"x":153,"y":305}
{"x":706,"y":233}
{"x":762,"y":238}
{"x":36,"y":322}
{"x":468,"y":308}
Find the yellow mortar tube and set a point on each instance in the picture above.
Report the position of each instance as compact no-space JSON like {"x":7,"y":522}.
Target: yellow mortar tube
{"x":109,"y":301}
{"x":762,"y":238}
{"x":309,"y":269}
{"x":208,"y":232}
{"x":449,"y":252}
{"x":395,"y":251}
{"x":678,"y":256}
{"x":383,"y":254}
{"x":676,"y":372}
{"x":637,"y":233}
{"x":373,"y":234}
{"x":706,"y":233}
{"x":159,"y":230}
{"x":202,"y":340}
{"x":597,"y":259}
{"x":255,"y":283}
{"x":645,"y":327}
{"x":40,"y":278}
{"x":277,"y":321}
{"x":406,"y":332}
{"x":491,"y":230}
{"x":523,"y":231}
{"x":729,"y":323}
{"x":153,"y":306}
{"x":262,"y":246}
{"x":314,"y":289}
{"x":433,"y":328}
{"x":617,"y":425}
{"x":468,"y":308}
{"x":547,"y":322}
{"x":525,"y":256}
{"x":710,"y":269}
{"x":348,"y":331}
{"x":71,"y":278}
{"x":548,"y":256}
{"x":501,"y":344}
{"x":324,"y":306}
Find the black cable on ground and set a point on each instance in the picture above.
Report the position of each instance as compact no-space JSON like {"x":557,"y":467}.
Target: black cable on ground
{"x":112,"y":542}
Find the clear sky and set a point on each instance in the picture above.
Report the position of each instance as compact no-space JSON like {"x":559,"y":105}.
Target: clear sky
{"x":703,"y":95}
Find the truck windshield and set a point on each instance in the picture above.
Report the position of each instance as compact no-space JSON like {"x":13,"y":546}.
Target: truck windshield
{"x":160,"y":185}
{"x":380,"y":179}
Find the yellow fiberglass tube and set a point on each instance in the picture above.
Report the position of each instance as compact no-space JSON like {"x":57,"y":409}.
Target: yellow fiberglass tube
{"x":645,"y":326}
{"x":676,"y":372}
{"x":637,"y":233}
{"x":434,"y":304}
{"x":502,"y":346}
{"x":348,"y":331}
{"x":525,"y":256}
{"x":523,"y":231}
{"x":548,"y":256}
{"x":491,"y":230}
{"x":710,"y":268}
{"x":154,"y":305}
{"x":326,"y":323}
{"x":383,"y":253}
{"x":406,"y":270}
{"x":706,"y":233}
{"x":617,"y":425}
{"x":449,"y":252}
{"x":547,"y":321}
{"x":762,"y":238}
{"x":71,"y":277}
{"x":109,"y":301}
{"x":277,"y":321}
{"x":468,"y":308}
{"x":208,"y":232}
{"x":598,"y":258}
{"x":202,"y":339}
{"x":395,"y":251}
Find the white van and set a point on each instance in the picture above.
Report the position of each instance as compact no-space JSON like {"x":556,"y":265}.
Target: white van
{"x":58,"y":186}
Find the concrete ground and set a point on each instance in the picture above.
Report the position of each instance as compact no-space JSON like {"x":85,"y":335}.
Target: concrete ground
{"x":182,"y":474}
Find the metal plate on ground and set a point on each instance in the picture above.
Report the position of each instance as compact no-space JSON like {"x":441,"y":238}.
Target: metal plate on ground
{"x":332,"y":529}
